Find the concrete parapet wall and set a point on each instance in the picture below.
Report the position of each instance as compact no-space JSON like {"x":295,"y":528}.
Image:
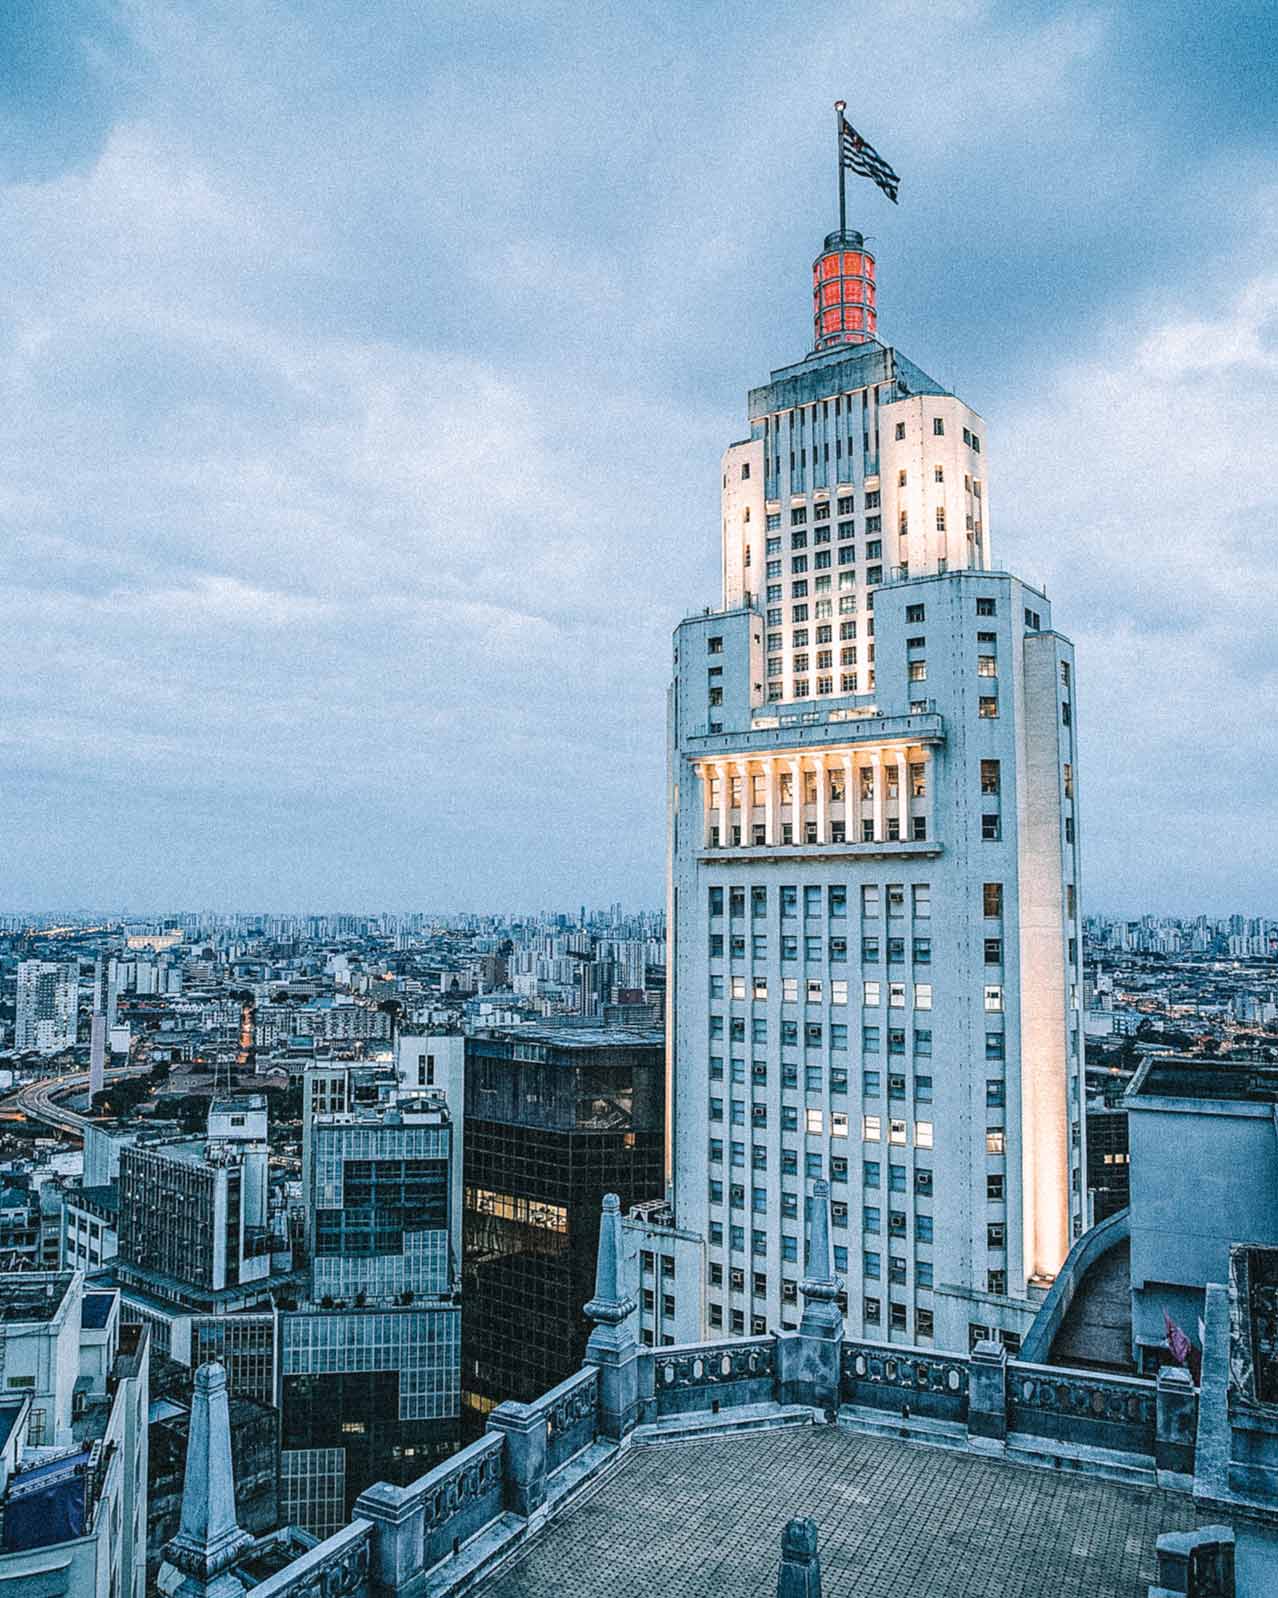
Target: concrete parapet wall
{"x":1097,"y":1240}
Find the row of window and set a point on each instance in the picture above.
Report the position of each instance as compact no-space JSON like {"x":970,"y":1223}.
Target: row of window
{"x":872,"y":1312}
{"x":871,"y":1087}
{"x":832,"y":900}
{"x":813,"y":1077}
{"x":871,"y":1132}
{"x":738,"y":987}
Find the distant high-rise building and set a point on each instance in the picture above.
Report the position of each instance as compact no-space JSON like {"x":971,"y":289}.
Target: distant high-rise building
{"x":46,"y":1005}
{"x":370,"y":1365}
{"x":873,"y":864}
{"x":556,"y":1116}
{"x":193,"y":1217}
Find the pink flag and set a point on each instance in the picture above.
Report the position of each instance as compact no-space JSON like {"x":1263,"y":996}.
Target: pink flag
{"x":1182,"y":1350}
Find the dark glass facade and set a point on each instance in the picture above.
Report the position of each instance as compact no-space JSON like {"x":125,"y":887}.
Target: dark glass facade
{"x":1108,"y":1170}
{"x":383,"y":1199}
{"x":553,"y":1122}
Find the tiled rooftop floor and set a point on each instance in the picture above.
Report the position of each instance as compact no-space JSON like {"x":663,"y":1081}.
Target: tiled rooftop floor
{"x":704,"y":1520}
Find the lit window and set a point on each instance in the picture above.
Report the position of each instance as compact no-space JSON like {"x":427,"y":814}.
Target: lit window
{"x":815,"y":1122}
{"x":896,"y":1131}
{"x":923,"y":1134}
{"x":993,"y":998}
{"x":871,"y":1128}
{"x":922,"y":995}
{"x":995,"y":1140}
{"x":871,"y":993}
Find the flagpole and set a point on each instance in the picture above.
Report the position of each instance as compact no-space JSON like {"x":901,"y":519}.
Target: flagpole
{"x":840,"y":106}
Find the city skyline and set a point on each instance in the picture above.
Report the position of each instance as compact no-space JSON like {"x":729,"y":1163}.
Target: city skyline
{"x":327,"y":475}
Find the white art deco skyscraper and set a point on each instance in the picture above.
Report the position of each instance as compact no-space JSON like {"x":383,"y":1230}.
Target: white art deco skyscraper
{"x":873,"y":865}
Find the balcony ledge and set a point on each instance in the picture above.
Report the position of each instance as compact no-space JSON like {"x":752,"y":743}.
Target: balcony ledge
{"x":923,"y":849}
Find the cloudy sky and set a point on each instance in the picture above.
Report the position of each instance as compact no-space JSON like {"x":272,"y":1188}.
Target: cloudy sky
{"x":364,"y":370}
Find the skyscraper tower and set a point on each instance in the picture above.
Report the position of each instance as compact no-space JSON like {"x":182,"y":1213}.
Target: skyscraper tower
{"x":873,"y":864}
{"x":46,"y":1005}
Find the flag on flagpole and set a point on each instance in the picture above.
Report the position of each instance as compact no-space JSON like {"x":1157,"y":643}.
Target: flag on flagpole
{"x":859,"y":155}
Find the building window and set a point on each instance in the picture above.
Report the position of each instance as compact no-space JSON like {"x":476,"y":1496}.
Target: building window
{"x":987,"y":665}
{"x":987,"y":707}
{"x":918,"y":671}
{"x":938,"y":427}
{"x":986,"y":607}
{"x":990,"y":776}
{"x":990,"y":828}
{"x":992,"y":898}
{"x":993,"y":997}
{"x":995,"y":1140}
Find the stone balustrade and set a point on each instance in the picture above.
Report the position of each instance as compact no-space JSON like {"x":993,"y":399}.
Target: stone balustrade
{"x":700,"y":1376}
{"x":570,"y":1412}
{"x":916,"y":1379}
{"x":336,"y":1568}
{"x":1116,"y":1412}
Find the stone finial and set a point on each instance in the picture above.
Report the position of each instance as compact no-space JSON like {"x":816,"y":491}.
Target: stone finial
{"x":611,"y":1346}
{"x":820,"y":1287}
{"x":800,"y":1573}
{"x":611,"y":1304}
{"x":209,"y":1539}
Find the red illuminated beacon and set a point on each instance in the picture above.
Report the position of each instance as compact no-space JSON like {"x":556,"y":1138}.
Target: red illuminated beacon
{"x":843,"y":296}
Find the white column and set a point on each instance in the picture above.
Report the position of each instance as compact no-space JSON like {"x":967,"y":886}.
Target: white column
{"x":903,"y":792}
{"x":796,"y":801}
{"x":876,"y":765}
{"x":850,"y":800}
{"x":721,"y":770}
{"x":743,"y":771}
{"x":823,"y":781}
{"x":769,"y":801}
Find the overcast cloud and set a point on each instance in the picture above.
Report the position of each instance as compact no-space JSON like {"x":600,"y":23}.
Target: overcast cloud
{"x":364,"y":372}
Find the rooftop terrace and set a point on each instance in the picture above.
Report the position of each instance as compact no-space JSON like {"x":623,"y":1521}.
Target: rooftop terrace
{"x":895,"y":1521}
{"x":33,"y":1295}
{"x":1215,"y":1081}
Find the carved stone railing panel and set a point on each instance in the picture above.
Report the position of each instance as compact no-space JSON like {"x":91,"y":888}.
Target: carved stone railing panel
{"x":1102,"y":1411}
{"x":336,"y":1568}
{"x":572,"y":1413}
{"x":453,"y":1486}
{"x":882,"y":1377}
{"x":704,"y":1375}
{"x":710,"y":1364}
